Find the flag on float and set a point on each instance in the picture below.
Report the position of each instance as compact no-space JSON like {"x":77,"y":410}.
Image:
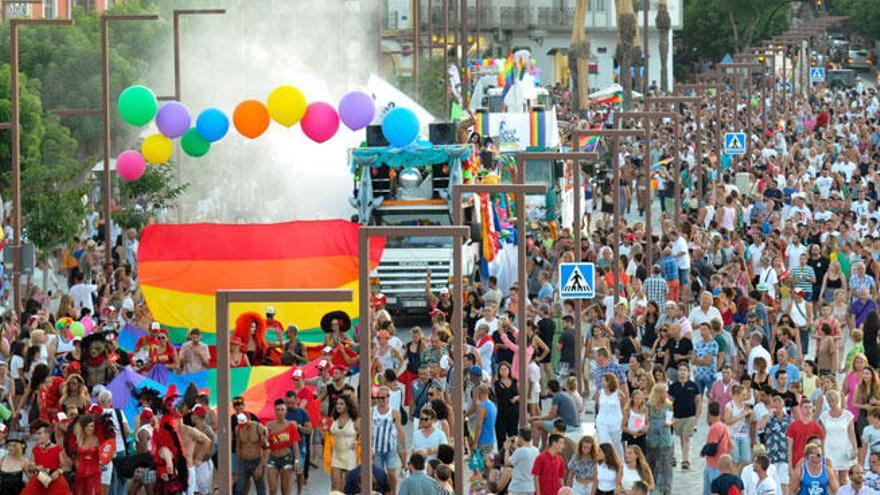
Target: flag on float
{"x":181,"y":267}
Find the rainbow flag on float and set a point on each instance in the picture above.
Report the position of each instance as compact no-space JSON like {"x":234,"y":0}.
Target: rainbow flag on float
{"x":181,"y":267}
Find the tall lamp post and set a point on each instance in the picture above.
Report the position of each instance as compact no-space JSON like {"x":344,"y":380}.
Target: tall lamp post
{"x":15,"y":126}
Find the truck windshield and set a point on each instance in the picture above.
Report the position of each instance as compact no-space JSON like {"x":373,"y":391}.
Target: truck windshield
{"x":539,"y":172}
{"x":412,"y":217}
{"x":419,"y":242}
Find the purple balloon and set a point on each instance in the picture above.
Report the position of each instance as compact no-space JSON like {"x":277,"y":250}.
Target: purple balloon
{"x":356,"y":110}
{"x":173,"y":119}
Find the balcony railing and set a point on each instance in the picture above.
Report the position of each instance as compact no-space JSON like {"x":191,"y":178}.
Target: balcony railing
{"x":551,"y":17}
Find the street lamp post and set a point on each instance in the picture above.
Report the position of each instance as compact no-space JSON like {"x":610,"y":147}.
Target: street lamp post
{"x":15,"y":127}
{"x":615,"y":134}
{"x":522,"y":160}
{"x":648,"y":120}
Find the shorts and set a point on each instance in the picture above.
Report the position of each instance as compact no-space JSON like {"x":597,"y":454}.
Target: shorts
{"x":588,"y":206}
{"x":107,"y":473}
{"x":742,"y":449}
{"x":683,"y":276}
{"x":287,"y":461}
{"x":191,"y":480}
{"x":204,"y":474}
{"x":548,"y":426}
{"x":386,"y":460}
{"x":145,"y":476}
{"x":781,"y":473}
{"x":684,"y":427}
{"x":672,"y":294}
{"x":704,"y":383}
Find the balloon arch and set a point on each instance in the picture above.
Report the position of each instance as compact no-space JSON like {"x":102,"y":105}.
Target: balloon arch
{"x":286,"y":105}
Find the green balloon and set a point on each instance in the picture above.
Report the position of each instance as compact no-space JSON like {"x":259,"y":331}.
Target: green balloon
{"x":77,"y":329}
{"x":137,"y":105}
{"x":194,"y":144}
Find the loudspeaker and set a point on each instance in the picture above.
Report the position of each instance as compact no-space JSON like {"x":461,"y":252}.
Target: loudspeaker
{"x":375,"y":138}
{"x":441,"y":133}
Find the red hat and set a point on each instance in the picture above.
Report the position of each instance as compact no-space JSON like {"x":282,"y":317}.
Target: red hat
{"x":323,"y":364}
{"x":235,"y":340}
{"x":96,"y":409}
{"x":205,"y":391}
{"x":378,"y":300}
{"x":200,"y":410}
{"x":147,"y":415}
{"x":339,"y":367}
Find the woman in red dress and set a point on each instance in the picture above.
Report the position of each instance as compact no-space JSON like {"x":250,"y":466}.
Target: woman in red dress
{"x":45,"y":473}
{"x":87,"y":472}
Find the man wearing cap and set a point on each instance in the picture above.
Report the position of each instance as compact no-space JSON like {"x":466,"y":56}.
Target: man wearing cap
{"x":252,"y":454}
{"x":203,"y":470}
{"x":274,"y":325}
{"x":237,"y":409}
{"x":194,"y":355}
{"x":150,"y":339}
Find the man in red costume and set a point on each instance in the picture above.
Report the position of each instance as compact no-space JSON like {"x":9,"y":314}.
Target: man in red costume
{"x":171,"y":469}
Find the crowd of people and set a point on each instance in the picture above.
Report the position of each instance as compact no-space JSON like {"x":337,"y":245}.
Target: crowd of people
{"x":757,"y":322}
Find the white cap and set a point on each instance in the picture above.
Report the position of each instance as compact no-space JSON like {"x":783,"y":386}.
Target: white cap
{"x":241,"y":417}
{"x":155,"y":326}
{"x":327,"y":349}
{"x":297,"y":373}
{"x":270,"y":310}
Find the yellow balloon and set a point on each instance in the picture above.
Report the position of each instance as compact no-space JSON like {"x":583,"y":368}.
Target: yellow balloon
{"x":157,"y":149}
{"x":287,"y":105}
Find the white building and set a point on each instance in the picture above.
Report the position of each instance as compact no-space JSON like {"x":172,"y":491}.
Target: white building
{"x":541,"y":26}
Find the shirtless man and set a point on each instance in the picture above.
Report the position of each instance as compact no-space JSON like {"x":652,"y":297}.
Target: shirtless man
{"x":197,"y":449}
{"x":205,"y":470}
{"x":252,"y":451}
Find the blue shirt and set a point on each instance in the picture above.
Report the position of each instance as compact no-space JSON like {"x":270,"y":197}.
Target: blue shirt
{"x":794,"y":375}
{"x":669,"y":268}
{"x":612,"y":367}
{"x":487,"y":432}
{"x":701,"y":350}
{"x":546,"y":291}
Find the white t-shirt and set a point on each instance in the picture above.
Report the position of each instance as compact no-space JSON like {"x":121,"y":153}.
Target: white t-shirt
{"x":522,"y":461}
{"x":698,"y":316}
{"x":493,"y":325}
{"x":16,"y":364}
{"x":432,"y":441}
{"x":120,"y":442}
{"x":767,"y":486}
{"x":750,"y":479}
{"x":680,"y":245}
{"x":755,"y":353}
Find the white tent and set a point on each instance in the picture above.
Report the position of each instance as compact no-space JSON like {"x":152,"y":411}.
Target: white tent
{"x":387,"y":97}
{"x":610,"y":90}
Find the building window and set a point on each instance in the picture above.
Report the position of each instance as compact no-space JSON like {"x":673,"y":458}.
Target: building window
{"x":597,"y":6}
{"x":49,"y":9}
{"x":602,"y":50}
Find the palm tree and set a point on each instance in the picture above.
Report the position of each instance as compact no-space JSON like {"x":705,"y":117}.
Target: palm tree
{"x":627,"y":31}
{"x":579,"y":56}
{"x":664,"y":23}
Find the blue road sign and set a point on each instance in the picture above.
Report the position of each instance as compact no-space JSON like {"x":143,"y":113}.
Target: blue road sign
{"x":735,"y":143}
{"x":817,"y":74}
{"x":577,"y":280}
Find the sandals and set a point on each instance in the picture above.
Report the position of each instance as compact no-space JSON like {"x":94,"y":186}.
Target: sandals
{"x":685,"y":465}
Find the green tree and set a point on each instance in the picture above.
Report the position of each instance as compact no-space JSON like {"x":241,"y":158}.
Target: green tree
{"x":156,"y":190}
{"x":431,"y":85}
{"x":864,"y":16}
{"x":52,"y":186}
{"x":716,"y":27}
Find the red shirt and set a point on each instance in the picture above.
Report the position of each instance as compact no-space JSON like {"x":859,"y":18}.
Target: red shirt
{"x":798,"y":432}
{"x":718,"y":433}
{"x":551,"y":470}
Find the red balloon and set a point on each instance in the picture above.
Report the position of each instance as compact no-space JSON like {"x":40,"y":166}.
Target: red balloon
{"x":320,"y":122}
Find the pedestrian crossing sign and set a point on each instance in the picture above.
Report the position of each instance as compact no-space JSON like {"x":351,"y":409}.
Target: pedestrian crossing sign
{"x":817,"y":74}
{"x":735,"y":143}
{"x":577,"y":280}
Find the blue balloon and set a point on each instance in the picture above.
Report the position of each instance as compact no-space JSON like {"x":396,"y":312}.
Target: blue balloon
{"x":212,"y":124}
{"x":400,"y":127}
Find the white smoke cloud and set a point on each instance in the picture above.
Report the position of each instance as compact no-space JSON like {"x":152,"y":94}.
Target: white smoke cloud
{"x":325,"y":48}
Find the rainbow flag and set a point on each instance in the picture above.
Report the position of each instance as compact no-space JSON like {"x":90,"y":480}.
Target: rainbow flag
{"x":616,"y":97}
{"x":656,"y":166}
{"x":537,"y":128}
{"x":509,"y":73}
{"x":481,"y":123}
{"x":588,"y":143}
{"x":182,"y":266}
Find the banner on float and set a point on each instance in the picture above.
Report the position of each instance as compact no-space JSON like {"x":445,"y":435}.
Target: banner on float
{"x":519,"y":131}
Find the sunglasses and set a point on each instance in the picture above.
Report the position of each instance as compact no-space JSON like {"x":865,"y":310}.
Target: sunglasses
{"x":381,"y":397}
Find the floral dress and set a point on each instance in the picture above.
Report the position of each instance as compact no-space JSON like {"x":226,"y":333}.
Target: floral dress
{"x":659,"y":452}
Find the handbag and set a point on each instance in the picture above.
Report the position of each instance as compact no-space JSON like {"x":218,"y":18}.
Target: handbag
{"x":130,"y":463}
{"x":711,"y":448}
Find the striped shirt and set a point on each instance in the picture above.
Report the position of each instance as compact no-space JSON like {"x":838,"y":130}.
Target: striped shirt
{"x":384,"y":431}
{"x":803,"y":275}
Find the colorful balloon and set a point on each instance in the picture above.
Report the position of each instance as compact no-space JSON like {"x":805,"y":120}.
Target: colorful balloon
{"x":400,"y":127}
{"x":320,"y":122}
{"x":251,"y":118}
{"x":287,"y":105}
{"x":157,"y":149}
{"x":130,"y":165}
{"x":194,"y":144}
{"x":77,"y":329}
{"x":212,"y":124}
{"x":356,"y":110}
{"x":137,"y":105}
{"x":173,"y":119}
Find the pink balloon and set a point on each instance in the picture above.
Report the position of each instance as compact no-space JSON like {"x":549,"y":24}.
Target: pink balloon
{"x":130,"y":165}
{"x":320,"y":122}
{"x":88,"y":323}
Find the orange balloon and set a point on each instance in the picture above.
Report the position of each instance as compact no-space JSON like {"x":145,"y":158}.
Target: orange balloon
{"x":251,"y":118}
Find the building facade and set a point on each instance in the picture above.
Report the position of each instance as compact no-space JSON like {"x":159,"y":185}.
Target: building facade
{"x":51,"y":9}
{"x":541,"y":26}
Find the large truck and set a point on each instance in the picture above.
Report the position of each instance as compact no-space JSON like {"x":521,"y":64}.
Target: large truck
{"x":395,"y":187}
